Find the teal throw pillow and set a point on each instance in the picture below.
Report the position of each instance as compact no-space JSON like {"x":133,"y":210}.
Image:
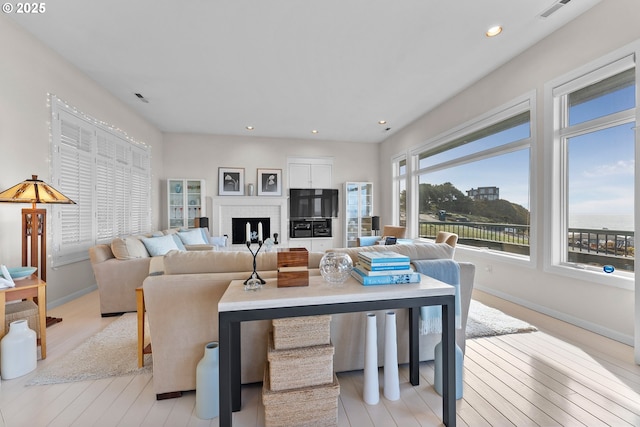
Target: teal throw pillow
{"x":157,"y":246}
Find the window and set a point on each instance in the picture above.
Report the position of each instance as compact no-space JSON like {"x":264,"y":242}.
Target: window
{"x":475,"y":181}
{"x":399,"y":168}
{"x":594,"y":152}
{"x":107,"y":175}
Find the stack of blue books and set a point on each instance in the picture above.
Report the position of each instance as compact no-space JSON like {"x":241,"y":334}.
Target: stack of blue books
{"x":384,"y":268}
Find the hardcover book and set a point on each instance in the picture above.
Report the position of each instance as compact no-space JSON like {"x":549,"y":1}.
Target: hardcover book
{"x":384,"y":272}
{"x":392,"y":279}
{"x":383,"y":256}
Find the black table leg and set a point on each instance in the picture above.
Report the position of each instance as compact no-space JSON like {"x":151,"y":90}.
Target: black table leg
{"x":414,"y":346}
{"x":236,"y":380}
{"x":449,"y":363}
{"x":225,"y":396}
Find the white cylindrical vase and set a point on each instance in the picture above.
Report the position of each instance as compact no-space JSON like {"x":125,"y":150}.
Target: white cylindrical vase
{"x":18,"y":350}
{"x":371,"y":391}
{"x":437,"y":377}
{"x":391,"y":386}
{"x":207,"y":383}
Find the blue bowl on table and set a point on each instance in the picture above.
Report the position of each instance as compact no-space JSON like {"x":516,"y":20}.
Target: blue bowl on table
{"x":18,"y":273}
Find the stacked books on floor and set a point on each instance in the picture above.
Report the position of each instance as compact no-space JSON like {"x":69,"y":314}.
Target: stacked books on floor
{"x":384,"y":268}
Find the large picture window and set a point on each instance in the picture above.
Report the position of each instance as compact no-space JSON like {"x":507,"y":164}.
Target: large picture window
{"x":106,"y":174}
{"x":475,"y":182}
{"x":594,"y":152}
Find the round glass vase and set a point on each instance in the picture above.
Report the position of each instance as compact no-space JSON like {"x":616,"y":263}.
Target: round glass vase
{"x":336,"y":267}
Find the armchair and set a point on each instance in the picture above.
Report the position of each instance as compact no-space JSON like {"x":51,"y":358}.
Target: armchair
{"x":394,"y":231}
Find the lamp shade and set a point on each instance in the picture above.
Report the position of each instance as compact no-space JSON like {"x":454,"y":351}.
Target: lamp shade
{"x":34,"y":191}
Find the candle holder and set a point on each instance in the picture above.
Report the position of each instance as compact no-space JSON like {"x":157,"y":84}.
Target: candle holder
{"x":254,"y":282}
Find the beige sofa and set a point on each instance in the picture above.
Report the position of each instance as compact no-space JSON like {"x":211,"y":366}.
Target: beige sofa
{"x":121,"y":266}
{"x":182,"y":313}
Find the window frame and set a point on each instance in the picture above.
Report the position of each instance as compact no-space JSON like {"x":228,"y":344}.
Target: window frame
{"x":523,"y":103}
{"x":128,"y":162}
{"x":556,"y":180}
{"x":397,"y":179}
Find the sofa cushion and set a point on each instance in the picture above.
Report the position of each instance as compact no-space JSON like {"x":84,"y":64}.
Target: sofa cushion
{"x":128,"y":248}
{"x":195,"y":262}
{"x":414,"y":251}
{"x":192,"y":237}
{"x":157,"y":246}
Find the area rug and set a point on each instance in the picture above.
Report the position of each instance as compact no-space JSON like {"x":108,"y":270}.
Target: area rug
{"x":485,"y":321}
{"x":109,"y":353}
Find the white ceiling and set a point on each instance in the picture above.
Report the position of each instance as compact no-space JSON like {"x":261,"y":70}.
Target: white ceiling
{"x":289,"y":66}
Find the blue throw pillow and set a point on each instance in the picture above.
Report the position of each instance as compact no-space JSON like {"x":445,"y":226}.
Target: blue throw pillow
{"x":192,"y":237}
{"x":157,"y":246}
{"x":178,"y":242}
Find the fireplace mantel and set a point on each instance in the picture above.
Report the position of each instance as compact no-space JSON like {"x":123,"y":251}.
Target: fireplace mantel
{"x":226,"y":208}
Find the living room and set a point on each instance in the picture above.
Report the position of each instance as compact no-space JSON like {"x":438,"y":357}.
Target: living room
{"x":35,"y":71}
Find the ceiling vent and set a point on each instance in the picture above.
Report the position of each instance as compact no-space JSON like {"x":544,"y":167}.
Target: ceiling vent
{"x":142,"y":98}
{"x":554,"y":8}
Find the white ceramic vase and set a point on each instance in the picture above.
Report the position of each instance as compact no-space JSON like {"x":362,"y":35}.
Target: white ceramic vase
{"x":391,"y":387}
{"x":207,"y":383}
{"x":18,"y":351}
{"x":371,"y":391}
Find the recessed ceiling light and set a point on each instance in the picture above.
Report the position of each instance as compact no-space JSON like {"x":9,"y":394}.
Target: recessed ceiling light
{"x":382,"y":122}
{"x":249,"y":127}
{"x":314,"y":131}
{"x":494,"y":31}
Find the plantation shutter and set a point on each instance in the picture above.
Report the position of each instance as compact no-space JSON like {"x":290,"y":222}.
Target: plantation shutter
{"x":106,"y":174}
{"x":73,"y":229}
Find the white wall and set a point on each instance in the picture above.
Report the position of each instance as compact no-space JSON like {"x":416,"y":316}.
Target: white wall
{"x":200,"y":156}
{"x":28,"y":72}
{"x":607,"y":27}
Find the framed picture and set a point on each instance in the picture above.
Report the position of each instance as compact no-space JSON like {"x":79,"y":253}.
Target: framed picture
{"x":231,"y":181}
{"x":269,"y":182}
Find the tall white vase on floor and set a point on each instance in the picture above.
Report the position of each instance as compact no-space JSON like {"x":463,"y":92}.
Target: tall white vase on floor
{"x":207,"y":383}
{"x":371,"y":392}
{"x":437,"y":377}
{"x":391,"y":379}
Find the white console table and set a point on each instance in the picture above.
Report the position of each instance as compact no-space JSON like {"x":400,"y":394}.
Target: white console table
{"x":320,"y":297}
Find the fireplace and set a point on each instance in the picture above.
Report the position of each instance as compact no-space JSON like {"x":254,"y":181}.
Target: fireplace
{"x":238,"y":229}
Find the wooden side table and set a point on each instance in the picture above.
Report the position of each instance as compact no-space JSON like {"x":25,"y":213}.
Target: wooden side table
{"x":140,"y":308}
{"x":31,"y":287}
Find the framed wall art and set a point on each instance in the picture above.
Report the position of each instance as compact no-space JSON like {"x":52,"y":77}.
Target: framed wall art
{"x":231,"y":181}
{"x":269,"y":182}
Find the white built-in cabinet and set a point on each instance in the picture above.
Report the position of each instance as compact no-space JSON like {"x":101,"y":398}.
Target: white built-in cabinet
{"x":358,"y":208}
{"x":309,"y":175}
{"x":315,"y":244}
{"x":185,"y":199}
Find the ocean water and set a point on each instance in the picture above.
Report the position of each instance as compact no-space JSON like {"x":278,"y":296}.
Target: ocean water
{"x":610,"y":222}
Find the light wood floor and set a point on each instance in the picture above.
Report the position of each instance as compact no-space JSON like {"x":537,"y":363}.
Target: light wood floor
{"x":561,"y":375}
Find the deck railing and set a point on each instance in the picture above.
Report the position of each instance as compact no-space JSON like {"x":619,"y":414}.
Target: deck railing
{"x":515,"y":237}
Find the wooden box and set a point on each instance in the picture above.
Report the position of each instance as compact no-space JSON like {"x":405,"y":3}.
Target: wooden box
{"x":309,"y":406}
{"x":293,"y":267}
{"x":293,"y":332}
{"x":299,"y":367}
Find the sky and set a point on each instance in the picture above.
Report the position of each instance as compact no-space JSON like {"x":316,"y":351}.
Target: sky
{"x":600,"y":164}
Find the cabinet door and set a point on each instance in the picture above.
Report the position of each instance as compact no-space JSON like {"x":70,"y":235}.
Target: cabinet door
{"x":321,"y":245}
{"x":175,"y":196}
{"x":299,"y":175}
{"x":195,"y":197}
{"x":351,"y":208}
{"x":321,"y":176}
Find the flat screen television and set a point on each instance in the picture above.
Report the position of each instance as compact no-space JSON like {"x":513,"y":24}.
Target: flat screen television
{"x":313,"y":203}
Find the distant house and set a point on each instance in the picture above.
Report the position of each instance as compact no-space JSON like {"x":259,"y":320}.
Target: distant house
{"x":484,"y":193}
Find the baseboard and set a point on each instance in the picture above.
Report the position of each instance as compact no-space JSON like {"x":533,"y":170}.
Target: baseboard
{"x":581,"y":323}
{"x":71,"y":297}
